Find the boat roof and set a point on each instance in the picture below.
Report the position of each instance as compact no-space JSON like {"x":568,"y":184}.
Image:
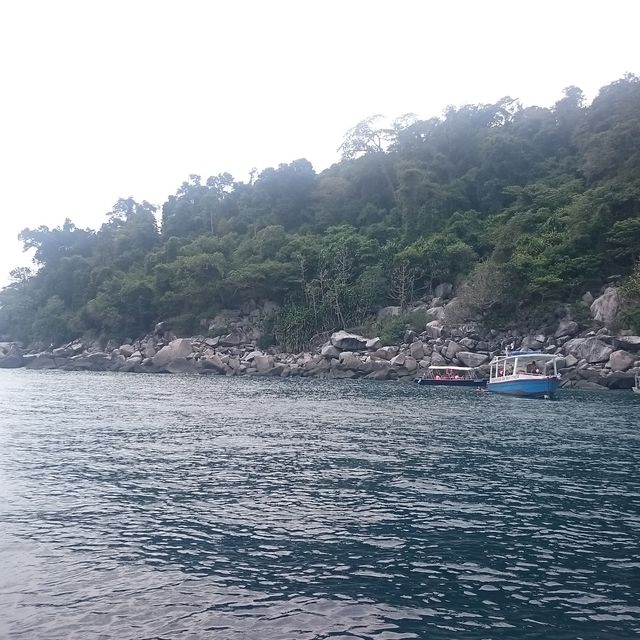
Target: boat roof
{"x":532,"y":355}
{"x":445,"y":368}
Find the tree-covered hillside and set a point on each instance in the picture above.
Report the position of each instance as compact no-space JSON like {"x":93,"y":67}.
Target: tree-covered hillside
{"x":527,"y":206}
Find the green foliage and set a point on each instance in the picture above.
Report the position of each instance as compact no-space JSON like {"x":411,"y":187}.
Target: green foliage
{"x":527,"y":206}
{"x":391,"y":329}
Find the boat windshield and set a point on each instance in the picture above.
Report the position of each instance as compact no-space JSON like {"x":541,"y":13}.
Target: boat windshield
{"x":451,"y":373}
{"x":523,"y":363}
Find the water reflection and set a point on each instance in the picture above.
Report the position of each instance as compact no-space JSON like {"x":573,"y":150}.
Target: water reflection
{"x":163,"y":507}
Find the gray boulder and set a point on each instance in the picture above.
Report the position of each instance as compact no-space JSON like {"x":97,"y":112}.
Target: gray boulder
{"x":263,"y":363}
{"x":470,"y":359}
{"x":410,"y":364}
{"x":630,"y":343}
{"x":387,"y":352}
{"x":329,"y":351}
{"x":533,"y":342}
{"x":213,"y":363}
{"x":180,"y":348}
{"x":606,"y":308}
{"x":620,"y":380}
{"x":127,"y":350}
{"x":452,"y":350}
{"x":11,"y":356}
{"x":620,"y":361}
{"x":350,"y":361}
{"x":417,"y":349}
{"x":91,"y":362}
{"x":374,"y":344}
{"x":469,"y":344}
{"x":435,"y":313}
{"x":348,"y":341}
{"x":399,"y":360}
{"x":593,"y":349}
{"x":378,"y":374}
{"x":570,"y":361}
{"x":434,"y":329}
{"x":566,"y":328}
{"x":231,"y":340}
{"x":588,"y":385}
{"x":437,"y":360}
{"x":183,"y":366}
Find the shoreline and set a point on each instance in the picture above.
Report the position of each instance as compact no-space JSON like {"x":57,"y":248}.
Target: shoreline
{"x":595,"y":361}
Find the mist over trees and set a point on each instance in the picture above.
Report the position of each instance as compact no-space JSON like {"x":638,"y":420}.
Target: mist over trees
{"x":522,"y":207}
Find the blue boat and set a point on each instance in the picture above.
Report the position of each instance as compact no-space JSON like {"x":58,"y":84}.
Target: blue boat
{"x":527,"y":374}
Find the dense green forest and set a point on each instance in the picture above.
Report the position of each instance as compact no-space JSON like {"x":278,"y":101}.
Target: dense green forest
{"x":521,"y":208}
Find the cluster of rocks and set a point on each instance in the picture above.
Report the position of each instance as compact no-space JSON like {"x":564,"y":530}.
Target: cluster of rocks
{"x":590,"y":360}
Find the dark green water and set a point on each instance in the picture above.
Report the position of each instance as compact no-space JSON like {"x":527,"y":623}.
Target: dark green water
{"x":139,"y":507}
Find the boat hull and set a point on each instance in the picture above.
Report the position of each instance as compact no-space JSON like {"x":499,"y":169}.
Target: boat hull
{"x":451,"y":383}
{"x":543,"y":387}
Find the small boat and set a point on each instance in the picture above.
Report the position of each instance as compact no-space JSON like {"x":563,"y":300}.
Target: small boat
{"x":527,"y":374}
{"x":636,"y":386}
{"x":451,"y":377}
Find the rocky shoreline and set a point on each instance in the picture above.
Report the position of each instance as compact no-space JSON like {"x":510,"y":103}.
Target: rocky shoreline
{"x":590,"y":359}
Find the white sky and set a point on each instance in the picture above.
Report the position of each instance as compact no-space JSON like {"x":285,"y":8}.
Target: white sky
{"x":104,"y":99}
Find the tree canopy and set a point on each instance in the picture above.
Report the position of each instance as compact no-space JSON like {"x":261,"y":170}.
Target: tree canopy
{"x":542,"y":202}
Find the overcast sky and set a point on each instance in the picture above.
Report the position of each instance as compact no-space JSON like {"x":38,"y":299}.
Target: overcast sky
{"x":108,"y":99}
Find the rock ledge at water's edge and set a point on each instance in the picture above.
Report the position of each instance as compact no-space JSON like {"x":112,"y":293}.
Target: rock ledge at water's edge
{"x":588,"y":360}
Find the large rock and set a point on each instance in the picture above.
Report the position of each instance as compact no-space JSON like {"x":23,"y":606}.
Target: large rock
{"x":149,"y":348}
{"x":434,"y":329}
{"x":452,"y":350}
{"x":348,"y":341}
{"x":386,"y":352}
{"x":593,"y":349}
{"x":443,"y":290}
{"x":469,"y":344}
{"x":10,"y":356}
{"x":417,"y":349}
{"x":329,"y":351}
{"x":588,"y":385}
{"x":127,"y":350}
{"x":606,"y":308}
{"x":620,"y":361}
{"x":566,"y":328}
{"x":619,"y":380}
{"x":469,"y":359}
{"x":410,"y":364}
{"x":399,"y":360}
{"x":437,"y":360}
{"x":630,"y":343}
{"x":533,"y":342}
{"x":379,"y":374}
{"x":231,"y":340}
{"x":91,"y":362}
{"x":213,"y":363}
{"x":350,"y":361}
{"x":182,"y":365}
{"x":180,"y":348}
{"x":435,"y":313}
{"x":374,"y":344}
{"x":263,"y":363}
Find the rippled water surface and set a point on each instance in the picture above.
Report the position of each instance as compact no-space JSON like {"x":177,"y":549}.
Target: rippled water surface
{"x":139,"y":507}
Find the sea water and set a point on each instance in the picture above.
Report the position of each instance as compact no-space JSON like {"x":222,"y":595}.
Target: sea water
{"x":138,"y":507}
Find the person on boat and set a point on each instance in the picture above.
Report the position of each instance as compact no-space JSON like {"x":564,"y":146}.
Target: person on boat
{"x":532,"y":367}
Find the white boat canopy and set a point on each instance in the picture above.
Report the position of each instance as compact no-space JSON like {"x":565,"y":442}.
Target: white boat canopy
{"x":527,"y":355}
{"x":445,"y":368}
